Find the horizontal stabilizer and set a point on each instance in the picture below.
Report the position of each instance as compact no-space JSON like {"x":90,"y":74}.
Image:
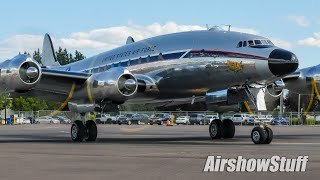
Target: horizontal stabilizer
{"x":48,"y":54}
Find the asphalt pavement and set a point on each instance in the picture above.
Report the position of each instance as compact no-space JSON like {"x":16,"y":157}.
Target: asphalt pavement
{"x":145,"y":152}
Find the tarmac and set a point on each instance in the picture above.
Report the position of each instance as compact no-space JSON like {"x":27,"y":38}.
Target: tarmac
{"x":46,"y":152}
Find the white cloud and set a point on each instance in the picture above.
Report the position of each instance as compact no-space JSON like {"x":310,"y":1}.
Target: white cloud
{"x":282,"y":43}
{"x":311,"y":41}
{"x":299,"y":20}
{"x":98,"y":40}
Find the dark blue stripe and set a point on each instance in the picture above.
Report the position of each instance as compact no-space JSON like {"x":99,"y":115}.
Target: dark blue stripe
{"x":72,"y":73}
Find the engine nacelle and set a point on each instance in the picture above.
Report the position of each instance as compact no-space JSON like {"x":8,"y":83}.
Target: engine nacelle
{"x":116,"y":84}
{"x":20,"y":73}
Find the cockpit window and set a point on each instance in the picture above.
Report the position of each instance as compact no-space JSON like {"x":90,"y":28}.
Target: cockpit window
{"x":257,"y":42}
{"x":251,"y":43}
{"x":270,"y":42}
{"x":264,"y":42}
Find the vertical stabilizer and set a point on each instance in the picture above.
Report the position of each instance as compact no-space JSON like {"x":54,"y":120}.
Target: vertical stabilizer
{"x":48,"y":54}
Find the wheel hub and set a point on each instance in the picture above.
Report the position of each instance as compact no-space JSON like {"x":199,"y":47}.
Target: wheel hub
{"x":256,"y":136}
{"x":74,"y":132}
{"x":214,"y":130}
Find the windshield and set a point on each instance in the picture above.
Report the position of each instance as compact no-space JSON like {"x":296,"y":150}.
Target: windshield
{"x":158,"y":115}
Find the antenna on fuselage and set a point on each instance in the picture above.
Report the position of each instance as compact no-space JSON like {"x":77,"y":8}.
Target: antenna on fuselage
{"x":229,"y":26}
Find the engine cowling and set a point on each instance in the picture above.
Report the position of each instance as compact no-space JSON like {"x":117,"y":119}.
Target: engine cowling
{"x":116,"y":84}
{"x":21,"y":73}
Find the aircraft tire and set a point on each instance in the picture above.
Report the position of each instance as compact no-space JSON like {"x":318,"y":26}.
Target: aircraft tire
{"x":215,"y":129}
{"x":269,"y":134}
{"x":228,"y":129}
{"x":258,"y":135}
{"x":78,"y":131}
{"x":92,"y":131}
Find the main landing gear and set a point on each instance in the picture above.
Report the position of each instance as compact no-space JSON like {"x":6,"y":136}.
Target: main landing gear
{"x":81,"y":131}
{"x":225,"y":129}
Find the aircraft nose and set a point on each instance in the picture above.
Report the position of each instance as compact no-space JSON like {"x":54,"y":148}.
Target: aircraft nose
{"x":282,"y":62}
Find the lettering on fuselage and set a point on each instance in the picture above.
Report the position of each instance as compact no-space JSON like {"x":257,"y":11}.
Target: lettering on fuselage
{"x":235,"y":66}
{"x":129,"y":53}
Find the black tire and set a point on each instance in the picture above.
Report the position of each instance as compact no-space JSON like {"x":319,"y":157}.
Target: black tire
{"x":228,"y":129}
{"x":269,"y":134}
{"x":92,"y":131}
{"x":98,"y":121}
{"x":258,"y":135}
{"x":215,"y":129}
{"x":78,"y":131}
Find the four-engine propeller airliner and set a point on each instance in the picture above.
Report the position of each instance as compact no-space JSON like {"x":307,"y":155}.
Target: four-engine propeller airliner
{"x":178,"y":67}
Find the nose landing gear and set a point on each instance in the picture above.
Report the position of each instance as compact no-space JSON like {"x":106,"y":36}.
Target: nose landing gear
{"x":81,"y":131}
{"x":261,"y":135}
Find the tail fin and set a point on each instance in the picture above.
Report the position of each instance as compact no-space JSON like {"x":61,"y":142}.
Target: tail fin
{"x":48,"y":54}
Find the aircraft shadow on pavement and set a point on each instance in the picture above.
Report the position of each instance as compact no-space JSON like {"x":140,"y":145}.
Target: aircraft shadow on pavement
{"x":200,"y":140}
{"x":11,"y":138}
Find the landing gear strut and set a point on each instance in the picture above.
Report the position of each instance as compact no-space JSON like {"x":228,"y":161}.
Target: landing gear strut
{"x":80,"y":131}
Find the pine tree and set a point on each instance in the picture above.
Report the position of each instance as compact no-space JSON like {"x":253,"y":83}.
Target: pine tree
{"x":71,"y":59}
{"x":37,"y":56}
{"x":62,"y":56}
{"x":78,"y":56}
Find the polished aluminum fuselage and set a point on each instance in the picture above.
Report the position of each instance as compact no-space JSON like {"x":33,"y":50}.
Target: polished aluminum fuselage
{"x":178,"y":75}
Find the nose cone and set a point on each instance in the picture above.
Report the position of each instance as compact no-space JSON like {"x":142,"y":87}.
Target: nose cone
{"x":282,"y":62}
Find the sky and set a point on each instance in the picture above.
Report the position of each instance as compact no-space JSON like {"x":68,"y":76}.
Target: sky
{"x":97,"y":25}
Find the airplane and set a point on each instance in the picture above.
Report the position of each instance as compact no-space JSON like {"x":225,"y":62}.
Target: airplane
{"x":302,"y":80}
{"x":178,"y":67}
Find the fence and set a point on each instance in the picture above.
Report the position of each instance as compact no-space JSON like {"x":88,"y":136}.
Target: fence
{"x":294,"y":118}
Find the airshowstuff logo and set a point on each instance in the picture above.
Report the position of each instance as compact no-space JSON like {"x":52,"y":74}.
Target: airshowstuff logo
{"x":240,"y":164}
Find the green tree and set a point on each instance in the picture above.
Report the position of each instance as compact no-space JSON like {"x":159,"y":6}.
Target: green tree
{"x":62,"y":56}
{"x":78,"y":56}
{"x":37,"y":56}
{"x":28,"y":104}
{"x":4,"y":101}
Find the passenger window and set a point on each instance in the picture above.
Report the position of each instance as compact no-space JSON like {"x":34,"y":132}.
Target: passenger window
{"x":160,"y":56}
{"x":244,"y":44}
{"x":95,"y":70}
{"x":239,"y":44}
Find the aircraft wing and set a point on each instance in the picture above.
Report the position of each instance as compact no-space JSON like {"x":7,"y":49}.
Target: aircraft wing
{"x":56,"y":84}
{"x":294,"y":75}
